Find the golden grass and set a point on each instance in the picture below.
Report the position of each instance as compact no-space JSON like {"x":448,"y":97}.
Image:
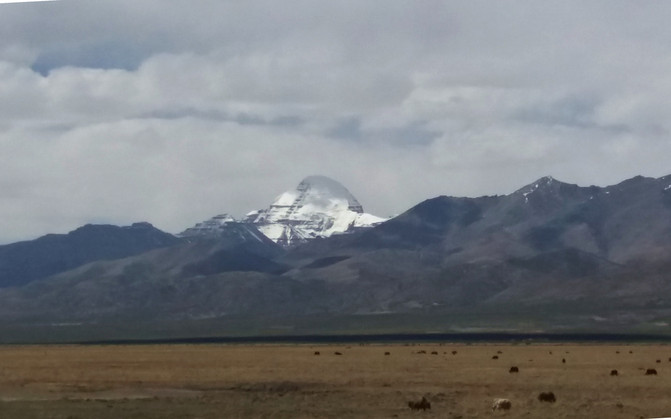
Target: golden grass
{"x":289,"y":381}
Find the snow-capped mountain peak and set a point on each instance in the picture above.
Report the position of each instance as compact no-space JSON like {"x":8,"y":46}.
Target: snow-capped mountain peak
{"x":318,"y":207}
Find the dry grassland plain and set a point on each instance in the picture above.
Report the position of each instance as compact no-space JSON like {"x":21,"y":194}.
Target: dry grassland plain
{"x":291,"y":381}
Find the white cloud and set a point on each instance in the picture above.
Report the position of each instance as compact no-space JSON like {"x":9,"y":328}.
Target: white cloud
{"x":174,"y":111}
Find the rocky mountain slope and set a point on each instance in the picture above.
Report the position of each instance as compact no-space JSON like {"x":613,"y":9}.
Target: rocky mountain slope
{"x":596,"y":253}
{"x":548,"y":256}
{"x":23,"y":262}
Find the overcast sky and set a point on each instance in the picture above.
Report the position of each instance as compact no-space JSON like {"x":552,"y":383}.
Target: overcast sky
{"x":172,"y":111}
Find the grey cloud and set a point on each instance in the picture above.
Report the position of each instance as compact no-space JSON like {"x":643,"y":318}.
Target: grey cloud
{"x":348,"y":128}
{"x":104,"y":55}
{"x":173,"y":111}
{"x":412,"y":134}
{"x":220,"y":115}
{"x":569,"y":111}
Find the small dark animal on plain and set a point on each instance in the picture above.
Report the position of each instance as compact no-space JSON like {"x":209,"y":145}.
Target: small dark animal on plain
{"x":617,"y":352}
{"x":387,"y":353}
{"x":499,"y":352}
{"x":651,"y":371}
{"x":316,"y":352}
{"x":421,"y":352}
{"x":563,"y":361}
{"x":501,"y":404}
{"x":495,"y":357}
{"x":631,"y":352}
{"x":454,"y":352}
{"x":550,"y":352}
{"x":337,"y":353}
{"x":669,"y":359}
{"x":547,"y":397}
{"x":420,"y":405}
{"x":613,"y":372}
{"x":434,"y":353}
{"x":513,"y":370}
{"x":659,"y":361}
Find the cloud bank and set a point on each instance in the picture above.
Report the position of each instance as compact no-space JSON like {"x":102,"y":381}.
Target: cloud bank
{"x":171,"y":112}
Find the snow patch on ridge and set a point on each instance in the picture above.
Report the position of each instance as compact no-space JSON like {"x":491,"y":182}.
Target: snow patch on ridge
{"x":208,"y":227}
{"x":541,"y":183}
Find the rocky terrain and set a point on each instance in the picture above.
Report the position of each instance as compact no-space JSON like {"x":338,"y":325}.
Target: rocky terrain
{"x":23,"y":262}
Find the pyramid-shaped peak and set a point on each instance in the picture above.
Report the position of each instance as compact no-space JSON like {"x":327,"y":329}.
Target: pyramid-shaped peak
{"x":318,"y":207}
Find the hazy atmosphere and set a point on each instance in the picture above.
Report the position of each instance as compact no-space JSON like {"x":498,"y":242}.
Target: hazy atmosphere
{"x":174,"y":111}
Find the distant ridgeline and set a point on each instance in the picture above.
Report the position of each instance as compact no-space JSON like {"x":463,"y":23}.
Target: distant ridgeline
{"x":550,"y":257}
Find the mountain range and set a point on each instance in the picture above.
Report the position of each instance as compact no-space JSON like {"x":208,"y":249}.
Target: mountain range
{"x":550,"y":256}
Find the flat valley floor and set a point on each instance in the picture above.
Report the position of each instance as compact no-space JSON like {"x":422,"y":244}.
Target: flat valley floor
{"x":291,"y":381}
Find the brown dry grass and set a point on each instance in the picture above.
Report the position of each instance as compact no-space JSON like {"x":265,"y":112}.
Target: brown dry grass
{"x":228,"y":381}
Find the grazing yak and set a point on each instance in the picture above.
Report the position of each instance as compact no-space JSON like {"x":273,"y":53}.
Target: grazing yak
{"x":337,"y":353}
{"x":613,"y":372}
{"x":501,"y":404}
{"x":495,"y":357}
{"x":420,"y":405}
{"x":513,"y":370}
{"x":547,"y":397}
{"x":651,"y":371}
{"x":316,"y":352}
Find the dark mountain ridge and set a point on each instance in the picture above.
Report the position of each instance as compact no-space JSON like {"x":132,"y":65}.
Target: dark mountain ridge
{"x":549,"y":255}
{"x":23,"y":262}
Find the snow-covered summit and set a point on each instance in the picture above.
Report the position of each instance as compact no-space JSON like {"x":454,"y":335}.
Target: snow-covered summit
{"x":318,"y":207}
